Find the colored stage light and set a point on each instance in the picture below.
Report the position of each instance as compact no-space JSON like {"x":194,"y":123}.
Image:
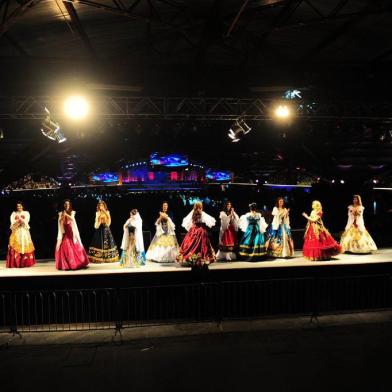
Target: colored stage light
{"x":76,"y":107}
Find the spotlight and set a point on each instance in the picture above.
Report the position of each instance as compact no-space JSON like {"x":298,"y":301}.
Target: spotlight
{"x":282,"y":111}
{"x":1,"y":134}
{"x":238,"y":129}
{"x":51,"y":129}
{"x":76,"y":107}
{"x":342,"y":181}
{"x":292,"y":94}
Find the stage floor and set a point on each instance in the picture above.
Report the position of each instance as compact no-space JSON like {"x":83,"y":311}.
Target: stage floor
{"x":47,"y":267}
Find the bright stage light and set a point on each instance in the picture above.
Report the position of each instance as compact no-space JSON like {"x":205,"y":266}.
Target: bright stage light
{"x":282,"y":111}
{"x":76,"y":107}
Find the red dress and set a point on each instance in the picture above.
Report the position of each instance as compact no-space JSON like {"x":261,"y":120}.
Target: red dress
{"x":196,"y":247}
{"x":318,"y":242}
{"x":229,"y":239}
{"x":70,"y":255}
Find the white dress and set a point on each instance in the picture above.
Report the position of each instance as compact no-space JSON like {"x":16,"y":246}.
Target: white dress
{"x":228,"y":239}
{"x":132,"y":244}
{"x":164,"y":246}
{"x":356,"y":238}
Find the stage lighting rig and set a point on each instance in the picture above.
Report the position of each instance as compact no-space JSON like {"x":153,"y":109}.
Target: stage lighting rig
{"x":51,"y":129}
{"x":292,"y":94}
{"x":238,"y":130}
{"x":76,"y":107}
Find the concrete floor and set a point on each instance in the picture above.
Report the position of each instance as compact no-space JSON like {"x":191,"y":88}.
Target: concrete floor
{"x":340,"y":353}
{"x":47,"y":268}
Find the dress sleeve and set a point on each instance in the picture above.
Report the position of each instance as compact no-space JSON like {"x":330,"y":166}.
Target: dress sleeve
{"x":243,"y":224}
{"x":27,"y":218}
{"x":236,"y":221}
{"x":12,"y":218}
{"x":187,"y":221}
{"x":109,"y":222}
{"x":96,"y":222}
{"x":263,"y":225}
{"x":275,"y":211}
{"x":208,"y":219}
{"x":225,"y":221}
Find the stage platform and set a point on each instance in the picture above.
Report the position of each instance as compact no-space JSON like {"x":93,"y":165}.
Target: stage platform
{"x":168,"y":293}
{"x":46,"y":268}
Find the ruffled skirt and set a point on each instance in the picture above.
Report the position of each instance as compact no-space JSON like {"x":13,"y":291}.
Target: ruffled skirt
{"x":252,"y":246}
{"x":355,"y":241}
{"x":280,"y":242}
{"x":196,"y":247}
{"x":321,"y":247}
{"x":70,"y":256}
{"x":163,"y":249}
{"x":228,"y":245}
{"x":20,"y":249}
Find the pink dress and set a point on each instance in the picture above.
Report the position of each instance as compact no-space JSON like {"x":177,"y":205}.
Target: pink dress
{"x":70,"y":254}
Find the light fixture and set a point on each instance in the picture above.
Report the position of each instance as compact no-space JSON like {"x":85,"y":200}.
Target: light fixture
{"x":238,"y":129}
{"x":282,"y":111}
{"x":76,"y":107}
{"x":292,"y":94}
{"x":51,"y":129}
{"x":1,"y":134}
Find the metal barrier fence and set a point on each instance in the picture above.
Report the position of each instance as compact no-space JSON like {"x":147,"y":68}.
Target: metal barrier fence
{"x":116,"y":308}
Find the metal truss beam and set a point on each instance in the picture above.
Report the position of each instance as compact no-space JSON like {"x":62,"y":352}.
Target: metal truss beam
{"x":192,"y":108}
{"x":12,"y":17}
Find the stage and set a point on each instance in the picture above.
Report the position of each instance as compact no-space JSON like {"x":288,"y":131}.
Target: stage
{"x":109,"y":296}
{"x":46,"y":268}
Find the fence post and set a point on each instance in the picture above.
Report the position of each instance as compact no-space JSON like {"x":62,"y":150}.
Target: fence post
{"x":118,"y":312}
{"x":14,"y":317}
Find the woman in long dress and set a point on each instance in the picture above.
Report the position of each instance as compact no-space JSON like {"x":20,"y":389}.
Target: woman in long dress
{"x":228,"y":239}
{"x":356,"y":238}
{"x":318,"y":242}
{"x":70,"y":253}
{"x":20,"y":247}
{"x":279,"y":239}
{"x":164,"y":246}
{"x":103,"y":249}
{"x":132,"y":244}
{"x":196,"y":247}
{"x":252,"y":246}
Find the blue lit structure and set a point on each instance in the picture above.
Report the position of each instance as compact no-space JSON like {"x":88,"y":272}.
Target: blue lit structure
{"x":218,"y":175}
{"x":105,"y":178}
{"x":168,"y":160}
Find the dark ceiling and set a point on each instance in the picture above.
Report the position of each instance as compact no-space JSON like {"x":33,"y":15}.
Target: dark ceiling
{"x":190,"y":45}
{"x":333,"y":48}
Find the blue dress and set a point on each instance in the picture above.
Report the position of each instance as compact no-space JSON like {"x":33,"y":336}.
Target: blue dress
{"x":279,"y":235}
{"x":252,"y":246}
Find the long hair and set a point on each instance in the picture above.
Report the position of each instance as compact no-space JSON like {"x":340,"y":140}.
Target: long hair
{"x":358,"y":198}
{"x":197,"y":209}
{"x":225,"y":209}
{"x":317,"y":205}
{"x":165,"y":202}
{"x":103,"y":203}
{"x":70,"y":204}
{"x":277,"y":202}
